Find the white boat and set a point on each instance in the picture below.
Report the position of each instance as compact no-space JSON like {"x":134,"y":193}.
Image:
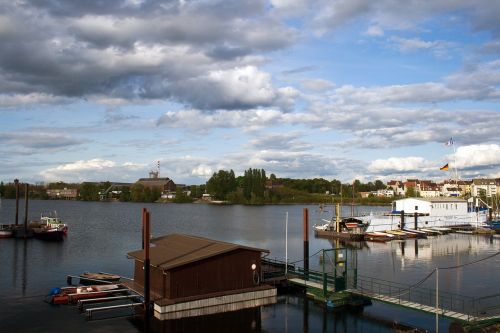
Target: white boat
{"x":431,"y":213}
{"x":5,"y":232}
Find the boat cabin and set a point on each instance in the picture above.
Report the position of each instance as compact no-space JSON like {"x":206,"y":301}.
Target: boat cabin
{"x":448,"y":206}
{"x":190,"y":266}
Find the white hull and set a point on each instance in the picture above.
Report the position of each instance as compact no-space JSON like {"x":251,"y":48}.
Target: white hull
{"x":393,"y":222}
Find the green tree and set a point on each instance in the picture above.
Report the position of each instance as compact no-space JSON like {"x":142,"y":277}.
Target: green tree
{"x":410,"y":192}
{"x":125,"y":194}
{"x":137,"y":193}
{"x":254,"y":185}
{"x":221,"y":184}
{"x":181,"y":197}
{"x":89,"y":192}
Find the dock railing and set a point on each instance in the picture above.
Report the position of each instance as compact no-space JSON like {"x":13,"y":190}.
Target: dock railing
{"x":400,"y":293}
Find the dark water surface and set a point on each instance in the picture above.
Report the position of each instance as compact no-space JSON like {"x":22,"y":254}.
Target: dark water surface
{"x":100,"y":235}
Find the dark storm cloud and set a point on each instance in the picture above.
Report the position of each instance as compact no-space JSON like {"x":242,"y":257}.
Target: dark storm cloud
{"x":134,"y":49}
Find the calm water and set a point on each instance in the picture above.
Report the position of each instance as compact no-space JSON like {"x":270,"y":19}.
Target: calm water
{"x":100,"y":235}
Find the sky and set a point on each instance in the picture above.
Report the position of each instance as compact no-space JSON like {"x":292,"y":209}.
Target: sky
{"x":338,"y":89}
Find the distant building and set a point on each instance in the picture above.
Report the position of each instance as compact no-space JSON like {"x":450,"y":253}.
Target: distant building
{"x":397,"y":186}
{"x":487,"y":186}
{"x":65,"y":193}
{"x":165,"y":185}
{"x":273,"y":183}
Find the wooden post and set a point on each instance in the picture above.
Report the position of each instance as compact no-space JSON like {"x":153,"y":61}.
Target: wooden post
{"x":415,"y":216}
{"x":16,"y":182}
{"x":146,"y":231}
{"x":306,"y":244}
{"x":26,"y":188}
{"x":402,"y":219}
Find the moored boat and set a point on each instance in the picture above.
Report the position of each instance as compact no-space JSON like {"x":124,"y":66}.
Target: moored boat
{"x":347,"y":228}
{"x":67,"y":295}
{"x":378,"y":236}
{"x":98,"y":278}
{"x":49,"y":228}
{"x":48,"y":234}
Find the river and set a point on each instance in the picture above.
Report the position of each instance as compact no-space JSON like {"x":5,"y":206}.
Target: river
{"x":101,"y":233}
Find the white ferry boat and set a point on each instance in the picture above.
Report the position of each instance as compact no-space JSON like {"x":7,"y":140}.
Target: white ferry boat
{"x":431,"y":212}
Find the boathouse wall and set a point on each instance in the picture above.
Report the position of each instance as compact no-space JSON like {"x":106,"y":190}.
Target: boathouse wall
{"x":228,"y":271}
{"x":224,"y":272}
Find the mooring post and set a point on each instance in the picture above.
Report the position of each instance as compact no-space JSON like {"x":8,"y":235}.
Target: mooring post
{"x":402,"y":219}
{"x":143,"y":219}
{"x":146,"y":232}
{"x":490,"y":211}
{"x":415,"y":216}
{"x":16,"y":182}
{"x":306,"y":244}
{"x":26,"y":187}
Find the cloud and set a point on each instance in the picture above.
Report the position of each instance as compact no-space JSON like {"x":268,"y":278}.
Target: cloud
{"x":38,"y":140}
{"x":284,"y":141}
{"x":198,"y":120}
{"x":93,"y":170}
{"x":317,"y":84}
{"x":439,"y":48}
{"x":477,"y":157}
{"x":139,"y":51}
{"x":237,"y":88}
{"x":395,"y":165}
{"x":374,"y":31}
{"x":31,"y":99}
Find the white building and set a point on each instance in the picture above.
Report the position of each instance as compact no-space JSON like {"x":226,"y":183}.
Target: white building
{"x":432,"y":206}
{"x":489,"y":186}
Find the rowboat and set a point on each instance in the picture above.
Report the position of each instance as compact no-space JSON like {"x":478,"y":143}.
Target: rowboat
{"x":378,"y":236}
{"x":67,"y":295}
{"x":98,"y":278}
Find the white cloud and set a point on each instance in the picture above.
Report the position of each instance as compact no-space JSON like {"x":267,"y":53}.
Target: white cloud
{"x":374,"y":31}
{"x":317,"y":84}
{"x":477,"y":156}
{"x":439,"y":48}
{"x":92,"y":170}
{"x":31,"y":99}
{"x":398,"y":165}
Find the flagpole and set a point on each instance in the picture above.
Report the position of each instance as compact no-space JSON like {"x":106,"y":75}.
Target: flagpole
{"x":455,"y":165}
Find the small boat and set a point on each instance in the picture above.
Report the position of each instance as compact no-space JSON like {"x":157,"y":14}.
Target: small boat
{"x":378,"y":236}
{"x":349,"y":229}
{"x":48,"y":234}
{"x":5,"y":231}
{"x":431,"y":232}
{"x":398,"y":234}
{"x":98,"y":278}
{"x":418,"y":233}
{"x":49,"y":228}
{"x":67,"y":295}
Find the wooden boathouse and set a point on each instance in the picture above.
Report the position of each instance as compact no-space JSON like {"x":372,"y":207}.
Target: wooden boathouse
{"x":192,"y":275}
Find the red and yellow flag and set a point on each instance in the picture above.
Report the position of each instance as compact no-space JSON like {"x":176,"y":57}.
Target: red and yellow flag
{"x":444,"y":167}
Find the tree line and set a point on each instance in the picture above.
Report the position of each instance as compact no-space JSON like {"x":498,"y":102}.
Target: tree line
{"x":253,"y":187}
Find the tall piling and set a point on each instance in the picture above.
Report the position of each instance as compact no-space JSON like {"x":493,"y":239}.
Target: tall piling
{"x":402,"y":219}
{"x":415,"y":217}
{"x":306,"y":243}
{"x":16,"y":183}
{"x":26,"y":192}
{"x":146,"y":232}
